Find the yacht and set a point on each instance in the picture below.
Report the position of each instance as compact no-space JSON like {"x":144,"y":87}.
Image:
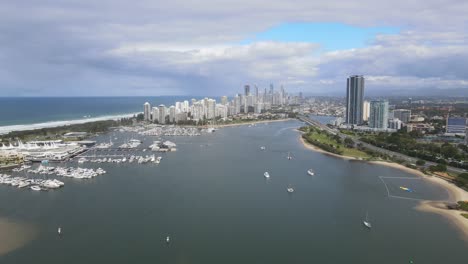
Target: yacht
{"x":158,"y":159}
{"x":310,"y":172}
{"x":262,"y":148}
{"x":290,"y":189}
{"x":35,"y":188}
{"x":266,"y":174}
{"x":23,"y":184}
{"x":366,"y":222}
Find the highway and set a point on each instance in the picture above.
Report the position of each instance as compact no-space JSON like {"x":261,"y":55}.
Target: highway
{"x":372,"y":147}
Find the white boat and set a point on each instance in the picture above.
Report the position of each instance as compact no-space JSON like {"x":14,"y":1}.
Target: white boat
{"x":366,"y":222}
{"x":266,"y":174}
{"x":262,"y":148}
{"x":290,"y":189}
{"x":310,"y":172}
{"x":168,"y":239}
{"x":289,"y":156}
{"x":23,"y":184}
{"x":35,"y":188}
{"x":59,"y":230}
{"x":158,"y":160}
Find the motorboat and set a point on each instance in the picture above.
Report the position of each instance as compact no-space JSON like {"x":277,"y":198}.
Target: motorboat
{"x":266,"y":174}
{"x":168,"y":239}
{"x":59,"y":230}
{"x":289,"y":156}
{"x":35,"y":188}
{"x":366,"y":222}
{"x":310,"y":172}
{"x":262,"y":148}
{"x":290,"y":189}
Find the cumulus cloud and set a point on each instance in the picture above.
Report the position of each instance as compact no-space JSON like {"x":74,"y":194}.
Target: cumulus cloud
{"x":186,"y":47}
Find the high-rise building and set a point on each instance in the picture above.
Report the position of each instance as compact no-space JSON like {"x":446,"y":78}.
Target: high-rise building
{"x":403,"y":114}
{"x":365,"y":110}
{"x":466,"y":135}
{"x":224,"y":100}
{"x":456,"y":125}
{"x":378,"y":114}
{"x":395,"y":123}
{"x":256,"y":92}
{"x":354,"y":99}
{"x":211,"y":111}
{"x":162,"y":114}
{"x":147,"y":111}
{"x":172,"y":114}
{"x":155,"y":114}
{"x":247,"y":90}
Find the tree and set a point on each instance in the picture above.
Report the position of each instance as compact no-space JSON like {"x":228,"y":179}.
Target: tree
{"x":438,"y":167}
{"x":463,"y":175}
{"x":420,"y":162}
{"x":349,"y":142}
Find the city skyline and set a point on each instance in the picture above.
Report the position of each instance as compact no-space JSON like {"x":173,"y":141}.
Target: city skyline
{"x":157,"y":48}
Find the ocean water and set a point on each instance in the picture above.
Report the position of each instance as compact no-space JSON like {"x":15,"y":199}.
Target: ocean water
{"x":34,"y":110}
{"x":211,"y":197}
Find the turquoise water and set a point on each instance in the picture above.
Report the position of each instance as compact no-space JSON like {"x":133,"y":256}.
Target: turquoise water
{"x":212,"y":199}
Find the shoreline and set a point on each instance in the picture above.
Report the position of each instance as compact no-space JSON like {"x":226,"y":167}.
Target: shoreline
{"x":255,"y":122}
{"x":437,"y":207}
{"x":50,"y":124}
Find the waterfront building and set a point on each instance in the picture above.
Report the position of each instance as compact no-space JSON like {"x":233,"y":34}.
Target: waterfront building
{"x":403,"y":114}
{"x":365,"y":111}
{"x":162,"y":114}
{"x":211,"y":109}
{"x":172,"y":114}
{"x":155,"y":114}
{"x":185,"y":106}
{"x":354,"y":99}
{"x":147,"y":111}
{"x":378,"y":118}
{"x":456,"y":125}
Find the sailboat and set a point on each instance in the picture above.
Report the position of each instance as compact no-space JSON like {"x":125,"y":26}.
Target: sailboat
{"x":366,"y":222}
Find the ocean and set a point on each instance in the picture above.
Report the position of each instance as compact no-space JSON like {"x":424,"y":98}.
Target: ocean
{"x":35,"y":112}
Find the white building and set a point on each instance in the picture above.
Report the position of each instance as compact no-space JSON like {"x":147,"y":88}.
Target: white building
{"x":147,"y":111}
{"x":155,"y":114}
{"x":162,"y":114}
{"x":172,"y":114}
{"x":366,"y":110}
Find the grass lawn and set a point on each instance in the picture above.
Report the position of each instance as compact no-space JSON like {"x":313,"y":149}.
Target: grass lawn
{"x":465,"y":215}
{"x":326,"y":139}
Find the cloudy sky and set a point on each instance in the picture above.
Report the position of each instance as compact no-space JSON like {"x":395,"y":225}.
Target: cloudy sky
{"x":214,"y":47}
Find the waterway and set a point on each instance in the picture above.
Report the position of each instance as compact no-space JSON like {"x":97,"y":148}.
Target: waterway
{"x":212,"y":199}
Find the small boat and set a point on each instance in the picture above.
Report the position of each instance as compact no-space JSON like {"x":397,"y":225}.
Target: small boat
{"x":366,"y":222}
{"x":168,"y":239}
{"x":289,"y":156}
{"x":266,"y":174}
{"x":310,"y":172}
{"x":59,"y":230}
{"x":290,"y":189}
{"x":35,"y":188}
{"x":262,"y":148}
{"x":406,"y":189}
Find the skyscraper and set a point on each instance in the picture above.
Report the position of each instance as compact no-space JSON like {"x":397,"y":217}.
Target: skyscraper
{"x":162,"y":114}
{"x":246,"y":90}
{"x":354,"y":99}
{"x":147,"y":111}
{"x":365,"y":111}
{"x":378,"y":114}
{"x":155,"y":114}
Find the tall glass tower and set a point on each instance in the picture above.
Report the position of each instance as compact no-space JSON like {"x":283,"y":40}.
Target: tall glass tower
{"x":354,"y":99}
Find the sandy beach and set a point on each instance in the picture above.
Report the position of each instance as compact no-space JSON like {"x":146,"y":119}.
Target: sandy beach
{"x":14,"y":235}
{"x":438,"y":207}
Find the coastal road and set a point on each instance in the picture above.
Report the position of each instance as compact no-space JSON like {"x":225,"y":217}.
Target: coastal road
{"x":372,"y":147}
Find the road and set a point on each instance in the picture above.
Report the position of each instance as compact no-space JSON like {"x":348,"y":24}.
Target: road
{"x":372,"y":147}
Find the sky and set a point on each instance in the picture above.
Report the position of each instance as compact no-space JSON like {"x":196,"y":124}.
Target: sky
{"x":215,"y":47}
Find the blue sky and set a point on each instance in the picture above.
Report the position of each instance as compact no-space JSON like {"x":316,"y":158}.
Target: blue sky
{"x":331,"y":36}
{"x":214,"y":48}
